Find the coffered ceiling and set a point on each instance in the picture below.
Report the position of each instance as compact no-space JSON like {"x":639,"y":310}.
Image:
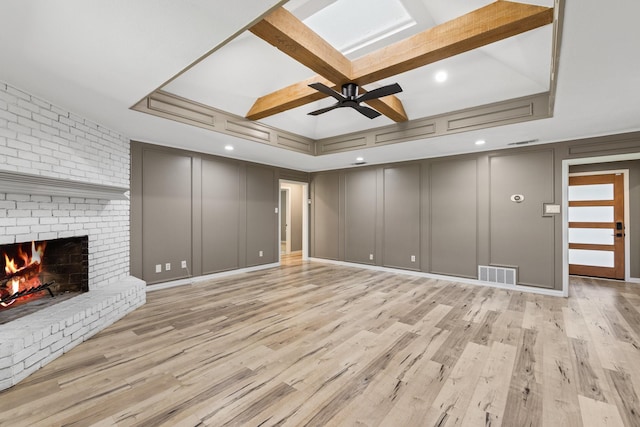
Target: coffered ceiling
{"x":206,"y":70}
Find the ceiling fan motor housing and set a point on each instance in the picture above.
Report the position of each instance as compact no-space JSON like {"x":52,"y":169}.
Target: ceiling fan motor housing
{"x":350,"y":91}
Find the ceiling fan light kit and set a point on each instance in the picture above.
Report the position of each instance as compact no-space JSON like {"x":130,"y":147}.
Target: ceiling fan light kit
{"x":350,"y":97}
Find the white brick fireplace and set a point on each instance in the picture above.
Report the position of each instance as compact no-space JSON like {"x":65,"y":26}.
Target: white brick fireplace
{"x":61,"y":176}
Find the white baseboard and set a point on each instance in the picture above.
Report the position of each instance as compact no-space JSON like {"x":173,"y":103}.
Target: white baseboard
{"x":198,"y":279}
{"x":541,"y":291}
{"x":633,"y":280}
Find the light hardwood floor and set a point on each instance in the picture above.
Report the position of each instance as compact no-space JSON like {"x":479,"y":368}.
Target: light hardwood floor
{"x":322,"y":345}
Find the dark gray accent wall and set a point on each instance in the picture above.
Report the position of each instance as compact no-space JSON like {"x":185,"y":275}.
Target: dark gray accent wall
{"x":360,"y":215}
{"x":466,"y":217}
{"x":166,"y":216}
{"x":634,"y":203}
{"x":519,"y":231}
{"x":505,"y":233}
{"x":215,"y":213}
{"x":325,"y":209}
{"x":220,"y":221}
{"x":401,"y":236}
{"x":261,"y":216}
{"x":454,"y":229}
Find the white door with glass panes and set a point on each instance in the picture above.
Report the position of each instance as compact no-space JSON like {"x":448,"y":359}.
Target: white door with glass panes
{"x":596,"y":225}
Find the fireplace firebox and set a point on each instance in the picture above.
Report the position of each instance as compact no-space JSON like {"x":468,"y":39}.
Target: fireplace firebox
{"x":38,"y":274}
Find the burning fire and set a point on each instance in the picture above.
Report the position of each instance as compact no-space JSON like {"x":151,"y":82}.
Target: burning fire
{"x":22,"y":272}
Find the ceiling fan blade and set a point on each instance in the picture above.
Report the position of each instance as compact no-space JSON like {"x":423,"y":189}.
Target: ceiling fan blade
{"x":324,"y":110}
{"x":327,"y":91}
{"x":380,"y":92}
{"x":369,"y":112}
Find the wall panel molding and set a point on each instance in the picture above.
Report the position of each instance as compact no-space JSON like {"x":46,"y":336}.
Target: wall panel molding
{"x":173,"y":107}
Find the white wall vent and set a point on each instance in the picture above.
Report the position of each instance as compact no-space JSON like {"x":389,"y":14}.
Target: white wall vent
{"x":496,"y":274}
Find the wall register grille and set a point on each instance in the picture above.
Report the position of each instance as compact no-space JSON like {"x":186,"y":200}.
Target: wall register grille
{"x":496,"y":274}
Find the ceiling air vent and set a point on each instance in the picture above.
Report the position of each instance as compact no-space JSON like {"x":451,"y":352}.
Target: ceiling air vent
{"x":523,"y":142}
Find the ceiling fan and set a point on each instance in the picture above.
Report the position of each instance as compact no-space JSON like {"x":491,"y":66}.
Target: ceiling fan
{"x":350,"y":98}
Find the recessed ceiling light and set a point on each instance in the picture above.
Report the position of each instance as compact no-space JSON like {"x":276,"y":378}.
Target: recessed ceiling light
{"x":228,"y":147}
{"x":480,"y":142}
{"x":359,"y":159}
{"x":441,"y":76}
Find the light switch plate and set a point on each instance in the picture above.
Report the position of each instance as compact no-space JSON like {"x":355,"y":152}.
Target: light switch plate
{"x":550,"y":209}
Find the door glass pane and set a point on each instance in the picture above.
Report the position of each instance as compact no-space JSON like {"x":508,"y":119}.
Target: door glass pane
{"x":591,"y":192}
{"x":591,"y":258}
{"x":595,"y":236}
{"x":591,"y":214}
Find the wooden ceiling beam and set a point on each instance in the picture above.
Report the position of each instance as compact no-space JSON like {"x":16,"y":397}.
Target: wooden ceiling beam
{"x":287,"y":98}
{"x":494,"y":22}
{"x":389,"y":106}
{"x":287,"y":33}
{"x":290,"y":35}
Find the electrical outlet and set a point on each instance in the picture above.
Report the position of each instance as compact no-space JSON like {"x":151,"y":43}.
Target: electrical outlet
{"x":167,"y":266}
{"x":183,"y":264}
{"x":413,"y":258}
{"x":158,"y":268}
{"x":260,"y":253}
{"x":371,"y":257}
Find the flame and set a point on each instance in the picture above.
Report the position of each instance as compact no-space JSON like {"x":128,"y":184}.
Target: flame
{"x":31,"y":278}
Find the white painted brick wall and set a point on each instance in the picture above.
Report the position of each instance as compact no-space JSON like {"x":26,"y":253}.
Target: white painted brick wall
{"x":40,"y":138}
{"x":37,"y":137}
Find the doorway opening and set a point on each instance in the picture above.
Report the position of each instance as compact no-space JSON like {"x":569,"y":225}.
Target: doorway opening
{"x":598,"y":214}
{"x":601,"y":165}
{"x":293,"y":230}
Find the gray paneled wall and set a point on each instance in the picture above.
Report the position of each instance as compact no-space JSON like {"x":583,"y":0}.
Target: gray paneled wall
{"x":262,"y":219}
{"x":401,"y":238}
{"x":450,"y":190}
{"x":452,"y":213}
{"x":166,"y":217}
{"x":456,"y":213}
{"x":221,"y":205}
{"x":325,"y":216}
{"x":360,"y":216}
{"x":454,"y":225}
{"x":519,"y":231}
{"x":217,"y":214}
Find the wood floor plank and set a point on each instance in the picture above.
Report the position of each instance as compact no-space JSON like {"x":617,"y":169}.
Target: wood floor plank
{"x":453,"y":400}
{"x":489,"y":398}
{"x":626,"y":397}
{"x":524,"y":402}
{"x":316,"y":344}
{"x":599,"y":414}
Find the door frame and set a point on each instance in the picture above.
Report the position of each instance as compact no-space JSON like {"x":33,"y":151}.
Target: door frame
{"x":565,"y":212}
{"x":305,"y":216}
{"x":627,"y":216}
{"x":287,"y":236}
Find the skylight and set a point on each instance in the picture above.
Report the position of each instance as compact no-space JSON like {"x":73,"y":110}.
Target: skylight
{"x":350,"y":25}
